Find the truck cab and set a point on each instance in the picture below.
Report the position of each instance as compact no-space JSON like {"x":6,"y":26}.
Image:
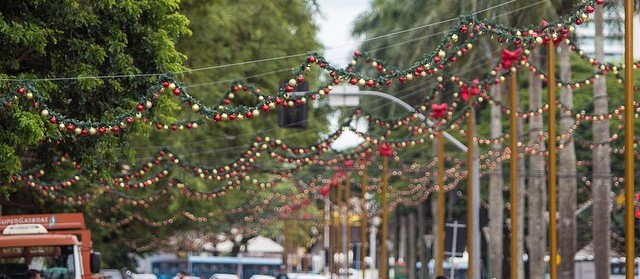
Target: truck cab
{"x":56,"y":245}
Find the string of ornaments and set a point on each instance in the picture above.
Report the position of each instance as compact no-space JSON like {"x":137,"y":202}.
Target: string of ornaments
{"x":282,"y":99}
{"x":457,"y":43}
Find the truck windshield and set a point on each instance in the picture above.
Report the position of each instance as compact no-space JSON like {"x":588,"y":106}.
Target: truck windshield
{"x":53,"y":262}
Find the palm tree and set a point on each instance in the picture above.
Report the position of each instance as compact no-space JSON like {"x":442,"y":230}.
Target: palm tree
{"x":537,"y":237}
{"x":567,"y":156}
{"x":601,"y":164}
{"x":567,"y":192}
{"x":393,"y":16}
{"x":496,"y":199}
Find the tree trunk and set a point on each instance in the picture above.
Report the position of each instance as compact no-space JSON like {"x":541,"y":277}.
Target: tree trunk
{"x":566,"y":176}
{"x":496,"y":202}
{"x":413,"y":241}
{"x":420,"y":242}
{"x":393,"y":236}
{"x":601,"y":163}
{"x":402,"y":236}
{"x":537,"y":238}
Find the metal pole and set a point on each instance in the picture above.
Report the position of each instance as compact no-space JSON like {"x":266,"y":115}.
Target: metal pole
{"x":333,"y":238}
{"x":447,"y":136}
{"x":470,"y":184}
{"x":384,"y":260}
{"x":372,"y":248}
{"x":363,"y":223}
{"x":327,"y":230}
{"x":347,"y":248}
{"x":476,"y":215}
{"x":440,"y":219}
{"x":629,"y":236}
{"x":514,"y":175}
{"x":454,"y":242}
{"x":400,"y":102}
{"x":553,"y":232}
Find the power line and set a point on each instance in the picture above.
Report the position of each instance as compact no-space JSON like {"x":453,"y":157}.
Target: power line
{"x":257,"y":60}
{"x":436,"y":23}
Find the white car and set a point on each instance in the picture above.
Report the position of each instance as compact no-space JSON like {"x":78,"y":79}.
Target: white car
{"x":144,"y":276}
{"x":112,"y":273}
{"x":224,"y":276}
{"x":261,"y":276}
{"x":307,"y":276}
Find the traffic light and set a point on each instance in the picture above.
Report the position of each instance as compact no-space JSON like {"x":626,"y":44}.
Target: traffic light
{"x":293,"y":116}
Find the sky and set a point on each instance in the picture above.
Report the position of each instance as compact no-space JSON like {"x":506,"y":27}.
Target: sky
{"x":335,"y":26}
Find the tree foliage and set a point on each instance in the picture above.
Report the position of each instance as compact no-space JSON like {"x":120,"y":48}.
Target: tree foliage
{"x":80,"y":42}
{"x":69,"y":39}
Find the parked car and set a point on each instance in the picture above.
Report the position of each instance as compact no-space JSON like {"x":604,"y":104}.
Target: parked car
{"x":112,"y":273}
{"x":308,"y":276}
{"x":144,"y":276}
{"x":224,"y":276}
{"x":262,"y":276}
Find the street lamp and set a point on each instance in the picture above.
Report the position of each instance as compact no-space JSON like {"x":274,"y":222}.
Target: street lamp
{"x":348,"y":95}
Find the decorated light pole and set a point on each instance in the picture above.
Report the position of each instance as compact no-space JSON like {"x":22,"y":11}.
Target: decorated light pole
{"x":513,"y":167}
{"x":348,"y":164}
{"x":466,"y":92}
{"x":385,"y":151}
{"x":438,"y":111}
{"x":509,"y":61}
{"x":553,"y":233}
{"x":629,"y":139}
{"x":363,"y":222}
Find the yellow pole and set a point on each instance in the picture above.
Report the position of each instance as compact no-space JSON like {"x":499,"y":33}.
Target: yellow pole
{"x":514,"y":175}
{"x":363,"y":252}
{"x":629,"y":236}
{"x":292,"y":243}
{"x":470,"y":177}
{"x":340,"y":232}
{"x":347,"y":188}
{"x":285,"y":254}
{"x":384,"y":260}
{"x":440,"y":219}
{"x":553,"y":232}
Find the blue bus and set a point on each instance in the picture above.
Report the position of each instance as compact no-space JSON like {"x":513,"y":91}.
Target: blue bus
{"x":204,"y":267}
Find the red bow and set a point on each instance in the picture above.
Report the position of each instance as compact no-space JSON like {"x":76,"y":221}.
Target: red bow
{"x":465,"y":91}
{"x":334,"y":182}
{"x":384,"y":149}
{"x":324,"y":191}
{"x":438,"y":110}
{"x":510,"y":57}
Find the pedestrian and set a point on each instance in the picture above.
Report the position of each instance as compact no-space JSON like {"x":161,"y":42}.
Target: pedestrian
{"x":32,"y":274}
{"x":283,"y":273}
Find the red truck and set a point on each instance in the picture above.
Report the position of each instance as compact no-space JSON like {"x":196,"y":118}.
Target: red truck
{"x":58,"y":245}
